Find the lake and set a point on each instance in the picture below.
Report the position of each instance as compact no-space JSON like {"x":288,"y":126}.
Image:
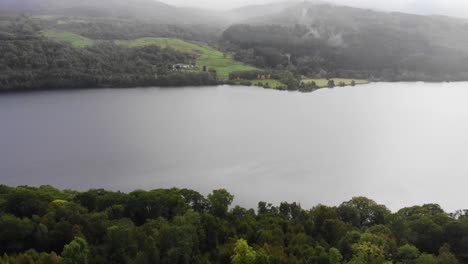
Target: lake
{"x":400,"y":144}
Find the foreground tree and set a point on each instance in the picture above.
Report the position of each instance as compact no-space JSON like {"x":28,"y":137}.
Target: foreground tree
{"x":243,"y":253}
{"x":219,"y":201}
{"x":182,"y":226}
{"x":445,"y":256}
{"x":77,"y":252}
{"x":408,"y":254}
{"x":426,"y":259}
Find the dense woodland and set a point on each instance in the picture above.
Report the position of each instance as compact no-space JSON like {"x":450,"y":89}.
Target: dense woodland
{"x":46,"y":225}
{"x":30,"y":61}
{"x":329,"y":40}
{"x":375,"y":53}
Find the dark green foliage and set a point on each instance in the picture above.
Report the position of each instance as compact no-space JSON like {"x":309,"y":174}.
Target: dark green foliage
{"x":77,"y":252}
{"x":351,"y":46}
{"x":263,"y":46}
{"x":182,"y":226}
{"x":363,"y":212}
{"x":291,"y":81}
{"x":307,"y":87}
{"x":143,"y":205}
{"x":24,"y":202}
{"x":219,"y":201}
{"x":29,"y":61}
{"x":445,"y":256}
{"x":408,"y":254}
{"x":15,"y":233}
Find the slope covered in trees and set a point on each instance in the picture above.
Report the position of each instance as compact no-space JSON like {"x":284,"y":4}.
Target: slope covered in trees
{"x":353,"y":42}
{"x":46,"y":225}
{"x":30,"y":61}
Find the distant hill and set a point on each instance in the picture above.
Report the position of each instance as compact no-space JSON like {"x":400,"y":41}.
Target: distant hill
{"x":137,"y":9}
{"x":327,"y":19}
{"x":253,"y":11}
{"x":346,"y":38}
{"x":317,"y":39}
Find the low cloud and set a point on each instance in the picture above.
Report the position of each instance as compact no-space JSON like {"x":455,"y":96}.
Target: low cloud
{"x":458,"y":8}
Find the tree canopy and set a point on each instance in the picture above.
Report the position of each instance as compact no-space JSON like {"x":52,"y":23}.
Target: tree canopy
{"x":48,"y":225}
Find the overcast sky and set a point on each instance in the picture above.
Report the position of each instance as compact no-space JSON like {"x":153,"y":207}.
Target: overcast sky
{"x":442,"y":7}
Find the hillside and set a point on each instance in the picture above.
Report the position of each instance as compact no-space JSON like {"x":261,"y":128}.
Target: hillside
{"x":31,"y":58}
{"x":351,"y":41}
{"x":332,"y":20}
{"x":205,"y":55}
{"x":245,"y":13}
{"x":70,"y":38}
{"x":135,"y":9}
{"x":36,"y":58}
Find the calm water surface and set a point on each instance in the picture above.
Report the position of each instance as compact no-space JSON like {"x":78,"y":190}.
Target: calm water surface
{"x":401,"y":143}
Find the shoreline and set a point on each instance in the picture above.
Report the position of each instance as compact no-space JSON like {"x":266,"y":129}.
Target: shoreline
{"x":20,"y":91}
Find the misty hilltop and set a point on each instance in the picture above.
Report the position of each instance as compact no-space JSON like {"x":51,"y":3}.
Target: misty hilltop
{"x":328,"y":19}
{"x":135,"y":9}
{"x":359,"y":39}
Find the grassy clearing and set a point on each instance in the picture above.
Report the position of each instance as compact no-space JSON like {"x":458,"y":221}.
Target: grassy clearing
{"x":70,"y":38}
{"x":207,"y":56}
{"x":274,"y":84}
{"x":177,"y":44}
{"x":324,"y":82}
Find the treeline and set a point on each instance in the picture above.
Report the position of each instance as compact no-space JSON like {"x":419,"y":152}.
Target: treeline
{"x":291,"y":81}
{"x":46,"y":225}
{"x":29,"y":61}
{"x":376,"y":52}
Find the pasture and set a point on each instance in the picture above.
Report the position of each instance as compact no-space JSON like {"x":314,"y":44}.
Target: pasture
{"x":206,"y":56}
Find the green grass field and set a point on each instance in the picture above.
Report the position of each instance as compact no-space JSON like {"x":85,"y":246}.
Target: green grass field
{"x":207,"y":56}
{"x":274,"y":84}
{"x":70,"y":38}
{"x":324,"y":82}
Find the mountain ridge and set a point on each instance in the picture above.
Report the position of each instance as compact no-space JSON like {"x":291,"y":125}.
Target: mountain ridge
{"x":140,"y":9}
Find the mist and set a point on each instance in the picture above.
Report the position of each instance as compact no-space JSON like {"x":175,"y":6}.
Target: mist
{"x":456,"y":8}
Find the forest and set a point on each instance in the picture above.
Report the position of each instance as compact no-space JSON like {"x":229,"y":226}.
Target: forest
{"x":378,"y":54}
{"x":30,"y":61}
{"x":46,"y":225}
